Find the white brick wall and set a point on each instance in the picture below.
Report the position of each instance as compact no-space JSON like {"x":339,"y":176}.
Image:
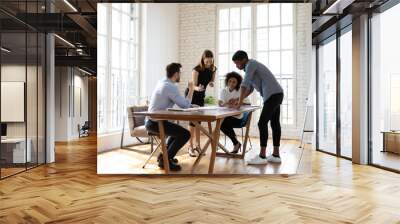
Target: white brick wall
{"x":197,"y":25}
{"x":197,"y":32}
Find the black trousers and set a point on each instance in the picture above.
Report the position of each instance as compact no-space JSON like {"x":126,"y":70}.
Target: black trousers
{"x":177,"y":135}
{"x":271,"y":112}
{"x":227,"y":128}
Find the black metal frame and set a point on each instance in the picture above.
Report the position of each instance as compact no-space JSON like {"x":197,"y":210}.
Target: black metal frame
{"x":387,"y":5}
{"x":335,"y":37}
{"x":44,"y":80}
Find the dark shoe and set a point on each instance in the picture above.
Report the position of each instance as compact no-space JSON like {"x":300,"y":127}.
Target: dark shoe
{"x":172,"y":166}
{"x":174,"y":160}
{"x":236,"y":148}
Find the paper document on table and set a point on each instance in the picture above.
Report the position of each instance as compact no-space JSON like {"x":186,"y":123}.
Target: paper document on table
{"x":182,"y":109}
{"x":195,"y":108}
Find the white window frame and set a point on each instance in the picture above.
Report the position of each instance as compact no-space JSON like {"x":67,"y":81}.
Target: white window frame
{"x":114,"y":124}
{"x":255,"y":98}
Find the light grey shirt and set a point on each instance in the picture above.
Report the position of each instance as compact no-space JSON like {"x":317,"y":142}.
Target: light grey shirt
{"x":258,"y":76}
{"x":166,"y":95}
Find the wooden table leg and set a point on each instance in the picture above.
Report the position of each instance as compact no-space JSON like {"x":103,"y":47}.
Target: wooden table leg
{"x":214,"y":145}
{"x":163,"y":146}
{"x":246,"y":138}
{"x":204,"y":149}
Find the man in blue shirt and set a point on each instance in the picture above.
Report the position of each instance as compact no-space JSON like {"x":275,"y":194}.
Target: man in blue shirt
{"x":164,"y":96}
{"x":259,"y":77}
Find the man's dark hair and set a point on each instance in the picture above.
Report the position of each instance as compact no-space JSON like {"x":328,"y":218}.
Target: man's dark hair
{"x":240,"y":55}
{"x":235,"y":75}
{"x":172,"y":69}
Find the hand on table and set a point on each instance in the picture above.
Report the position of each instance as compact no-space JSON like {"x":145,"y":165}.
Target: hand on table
{"x":236,"y":105}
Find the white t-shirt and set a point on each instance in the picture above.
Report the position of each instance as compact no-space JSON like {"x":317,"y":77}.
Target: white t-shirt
{"x":225,"y":95}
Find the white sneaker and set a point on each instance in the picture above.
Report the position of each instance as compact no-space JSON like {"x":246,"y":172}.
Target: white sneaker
{"x":257,"y":160}
{"x":273,"y":159}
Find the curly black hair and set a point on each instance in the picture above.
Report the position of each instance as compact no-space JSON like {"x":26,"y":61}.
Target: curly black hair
{"x":235,"y":75}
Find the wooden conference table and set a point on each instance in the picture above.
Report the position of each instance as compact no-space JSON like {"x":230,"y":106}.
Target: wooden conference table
{"x":197,"y":115}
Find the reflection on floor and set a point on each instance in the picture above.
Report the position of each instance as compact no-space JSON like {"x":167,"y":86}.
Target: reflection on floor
{"x":130,"y":161}
{"x":387,"y":159}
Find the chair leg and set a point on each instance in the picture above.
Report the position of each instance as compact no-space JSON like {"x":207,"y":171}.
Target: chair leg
{"x":225,"y":141}
{"x":122,"y":134}
{"x":151,"y":144}
{"x":151,"y":155}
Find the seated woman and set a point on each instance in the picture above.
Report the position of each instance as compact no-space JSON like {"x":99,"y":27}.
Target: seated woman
{"x":227,"y":98}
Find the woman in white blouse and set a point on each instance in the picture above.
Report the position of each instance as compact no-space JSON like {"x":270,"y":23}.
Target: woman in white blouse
{"x":228,"y":97}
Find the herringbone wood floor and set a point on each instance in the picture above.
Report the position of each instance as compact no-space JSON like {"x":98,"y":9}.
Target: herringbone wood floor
{"x":70,"y":191}
{"x":130,"y":160}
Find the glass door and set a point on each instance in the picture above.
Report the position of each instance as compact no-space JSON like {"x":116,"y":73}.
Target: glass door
{"x":346,"y":93}
{"x":327,"y":96}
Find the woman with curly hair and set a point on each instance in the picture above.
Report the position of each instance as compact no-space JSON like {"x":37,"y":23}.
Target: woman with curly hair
{"x":228,"y":98}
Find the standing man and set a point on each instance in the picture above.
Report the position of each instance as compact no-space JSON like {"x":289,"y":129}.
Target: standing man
{"x":164,"y":96}
{"x":259,"y":77}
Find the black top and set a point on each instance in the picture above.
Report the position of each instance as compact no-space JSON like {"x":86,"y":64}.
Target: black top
{"x":204,"y":78}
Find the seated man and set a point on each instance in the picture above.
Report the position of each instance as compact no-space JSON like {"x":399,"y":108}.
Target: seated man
{"x":164,"y":96}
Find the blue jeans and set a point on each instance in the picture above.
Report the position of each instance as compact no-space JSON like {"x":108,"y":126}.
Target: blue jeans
{"x":177,"y":135}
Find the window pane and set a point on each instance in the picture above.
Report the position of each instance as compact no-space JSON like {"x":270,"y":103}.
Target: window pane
{"x":102,"y":19}
{"x":274,"y":38}
{"x":262,"y":39}
{"x":124,"y":55}
{"x":116,"y":5}
{"x":246,"y":17}
{"x":223,"y":66}
{"x":235,"y":41}
{"x":290,"y":92}
{"x":101,"y":48}
{"x":116,"y":24}
{"x":133,"y":36}
{"x":223,"y":44}
{"x":246,"y":40}
{"x":274,"y":14}
{"x":275,"y":62}
{"x":287,"y":13}
{"x":327,"y":97}
{"x":263,"y":57}
{"x":262,"y":15}
{"x":287,"y":37}
{"x":235,"y":18}
{"x":287,"y":65}
{"x":125,"y":25}
{"x":126,"y":8}
{"x":115,"y":60}
{"x":223,"y":19}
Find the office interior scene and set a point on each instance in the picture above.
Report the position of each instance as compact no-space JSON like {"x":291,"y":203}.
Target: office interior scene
{"x":50,"y":62}
{"x":132,"y":60}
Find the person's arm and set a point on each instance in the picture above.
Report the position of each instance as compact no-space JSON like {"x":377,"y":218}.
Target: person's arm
{"x":177,"y":98}
{"x":247,"y":87}
{"x":190,"y":92}
{"x":221,"y":101}
{"x":195,"y":80}
{"x":213,"y":77}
